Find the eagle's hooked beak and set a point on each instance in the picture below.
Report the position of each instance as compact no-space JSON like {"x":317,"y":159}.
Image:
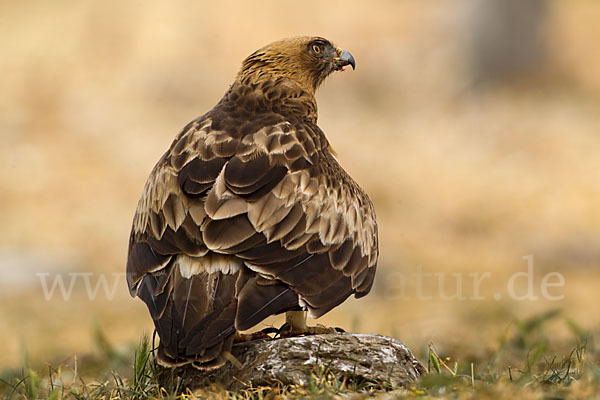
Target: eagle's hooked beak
{"x":344,"y":58}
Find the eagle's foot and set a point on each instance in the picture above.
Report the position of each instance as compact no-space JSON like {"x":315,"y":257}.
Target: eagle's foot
{"x":287,"y":331}
{"x":295,"y":325}
{"x":248,"y":337}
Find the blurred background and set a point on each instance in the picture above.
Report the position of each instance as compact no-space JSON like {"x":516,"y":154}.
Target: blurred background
{"x":473,"y":125}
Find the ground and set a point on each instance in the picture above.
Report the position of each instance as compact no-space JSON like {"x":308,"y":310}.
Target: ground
{"x":526,"y":361}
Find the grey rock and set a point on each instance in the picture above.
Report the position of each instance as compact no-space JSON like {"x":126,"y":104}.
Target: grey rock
{"x":290,"y":361}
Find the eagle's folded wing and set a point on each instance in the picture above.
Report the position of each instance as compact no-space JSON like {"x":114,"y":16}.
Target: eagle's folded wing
{"x":273,"y":200}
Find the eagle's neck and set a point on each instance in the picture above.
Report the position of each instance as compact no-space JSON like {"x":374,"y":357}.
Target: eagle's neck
{"x":261,"y":92}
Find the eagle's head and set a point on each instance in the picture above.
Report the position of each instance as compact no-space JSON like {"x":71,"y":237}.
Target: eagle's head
{"x":307,"y":60}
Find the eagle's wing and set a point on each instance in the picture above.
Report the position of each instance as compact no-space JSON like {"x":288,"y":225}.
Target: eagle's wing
{"x":248,"y":225}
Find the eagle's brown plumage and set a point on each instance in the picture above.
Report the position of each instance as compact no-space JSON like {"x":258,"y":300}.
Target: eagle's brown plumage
{"x":248,"y":214}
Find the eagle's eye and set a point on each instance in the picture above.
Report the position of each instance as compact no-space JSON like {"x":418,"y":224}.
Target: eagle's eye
{"x":316,"y":49}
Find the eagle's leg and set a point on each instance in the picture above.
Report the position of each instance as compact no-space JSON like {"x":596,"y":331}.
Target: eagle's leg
{"x":295,"y":325}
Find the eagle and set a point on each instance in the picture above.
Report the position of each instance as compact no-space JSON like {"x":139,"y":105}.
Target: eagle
{"x":249,"y":214}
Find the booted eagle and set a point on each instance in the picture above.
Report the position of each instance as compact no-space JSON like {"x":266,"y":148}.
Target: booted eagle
{"x":249,"y":214}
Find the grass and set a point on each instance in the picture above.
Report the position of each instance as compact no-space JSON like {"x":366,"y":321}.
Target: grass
{"x":528,"y":363}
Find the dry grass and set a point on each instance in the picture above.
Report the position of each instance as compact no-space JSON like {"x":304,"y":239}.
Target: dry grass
{"x":464,"y":181}
{"x":528,"y":363}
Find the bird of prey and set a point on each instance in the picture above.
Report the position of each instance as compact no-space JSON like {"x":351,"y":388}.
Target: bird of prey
{"x":249,"y":214}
